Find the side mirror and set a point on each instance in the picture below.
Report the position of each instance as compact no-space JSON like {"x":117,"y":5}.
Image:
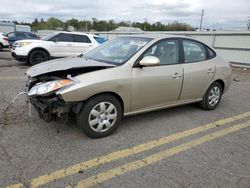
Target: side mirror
{"x":149,"y":61}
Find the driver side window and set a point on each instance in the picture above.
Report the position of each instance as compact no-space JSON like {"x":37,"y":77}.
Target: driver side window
{"x":62,"y":37}
{"x":166,"y":51}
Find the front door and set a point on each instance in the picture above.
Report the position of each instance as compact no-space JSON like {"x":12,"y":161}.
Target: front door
{"x":61,"y":45}
{"x":160,"y":85}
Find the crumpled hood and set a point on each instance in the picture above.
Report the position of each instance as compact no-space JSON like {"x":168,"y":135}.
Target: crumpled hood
{"x":64,"y":64}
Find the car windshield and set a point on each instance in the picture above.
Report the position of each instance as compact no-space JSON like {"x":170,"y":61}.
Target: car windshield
{"x":117,"y":51}
{"x":48,"y":37}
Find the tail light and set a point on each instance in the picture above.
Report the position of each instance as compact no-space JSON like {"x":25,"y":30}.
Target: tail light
{"x":5,"y":38}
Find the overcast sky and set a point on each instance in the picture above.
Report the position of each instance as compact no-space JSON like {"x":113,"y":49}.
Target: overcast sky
{"x":218,"y":13}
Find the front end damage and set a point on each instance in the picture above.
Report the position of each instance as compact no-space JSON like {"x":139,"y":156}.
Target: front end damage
{"x":49,"y":105}
{"x":50,"y":108}
{"x":48,"y":79}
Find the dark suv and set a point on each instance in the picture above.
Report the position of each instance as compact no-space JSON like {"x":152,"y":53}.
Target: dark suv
{"x":20,"y":35}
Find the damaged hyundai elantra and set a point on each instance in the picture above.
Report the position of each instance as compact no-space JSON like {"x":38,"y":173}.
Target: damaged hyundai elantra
{"x":125,"y":76}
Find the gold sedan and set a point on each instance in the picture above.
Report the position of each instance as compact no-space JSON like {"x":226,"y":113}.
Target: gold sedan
{"x":126,"y":76}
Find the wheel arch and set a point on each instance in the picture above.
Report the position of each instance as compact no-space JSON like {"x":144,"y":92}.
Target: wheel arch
{"x":81,"y":104}
{"x":39,"y":48}
{"x":221,"y":82}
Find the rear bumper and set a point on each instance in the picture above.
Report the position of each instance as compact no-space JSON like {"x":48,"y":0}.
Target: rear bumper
{"x":18,"y":57}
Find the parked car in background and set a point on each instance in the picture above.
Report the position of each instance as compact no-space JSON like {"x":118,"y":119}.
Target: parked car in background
{"x":4,"y":43}
{"x":20,"y":35}
{"x":59,"y":44}
{"x":126,"y":76}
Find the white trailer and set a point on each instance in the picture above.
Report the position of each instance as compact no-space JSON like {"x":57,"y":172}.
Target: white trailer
{"x":6,"y":27}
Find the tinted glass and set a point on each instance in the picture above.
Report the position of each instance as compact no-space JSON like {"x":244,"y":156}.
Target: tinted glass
{"x":211,"y":53}
{"x":100,"y":40}
{"x":117,"y":51}
{"x":12,"y":34}
{"x":31,"y":35}
{"x":63,"y":37}
{"x":19,"y":34}
{"x":81,"y":38}
{"x":193,"y":51}
{"x":166,"y":51}
{"x":49,"y":37}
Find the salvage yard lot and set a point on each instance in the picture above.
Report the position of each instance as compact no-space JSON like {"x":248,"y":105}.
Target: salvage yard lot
{"x":179,"y":147}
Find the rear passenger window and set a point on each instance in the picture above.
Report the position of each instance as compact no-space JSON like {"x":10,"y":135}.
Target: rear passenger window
{"x":193,"y":51}
{"x":20,"y":34}
{"x":81,"y":38}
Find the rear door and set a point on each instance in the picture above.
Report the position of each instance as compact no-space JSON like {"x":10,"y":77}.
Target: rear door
{"x":199,"y":70}
{"x":160,"y":85}
{"x":61,"y":45}
{"x":81,"y":44}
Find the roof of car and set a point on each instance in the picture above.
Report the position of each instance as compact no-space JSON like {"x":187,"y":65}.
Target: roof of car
{"x":79,"y":33}
{"x":157,"y":36}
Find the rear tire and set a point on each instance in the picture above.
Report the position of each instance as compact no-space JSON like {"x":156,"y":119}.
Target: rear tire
{"x":1,"y":47}
{"x":212,"y":97}
{"x":100,"y":116}
{"x":38,"y":56}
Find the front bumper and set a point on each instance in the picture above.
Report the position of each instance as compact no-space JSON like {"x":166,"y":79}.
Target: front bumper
{"x":50,"y":107}
{"x":18,"y":57}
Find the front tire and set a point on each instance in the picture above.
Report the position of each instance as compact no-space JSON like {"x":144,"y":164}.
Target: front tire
{"x":100,"y":116}
{"x":212,"y":97}
{"x":38,"y":56}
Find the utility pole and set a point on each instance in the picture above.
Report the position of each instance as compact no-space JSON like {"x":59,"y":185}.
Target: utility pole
{"x":202,"y":14}
{"x":145,"y":23}
{"x":248,"y":25}
{"x":86,"y":26}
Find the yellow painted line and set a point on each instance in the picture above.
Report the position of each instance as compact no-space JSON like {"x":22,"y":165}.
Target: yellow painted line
{"x":104,"y":159}
{"x":18,"y":185}
{"x":101,"y":177}
{"x":13,"y":77}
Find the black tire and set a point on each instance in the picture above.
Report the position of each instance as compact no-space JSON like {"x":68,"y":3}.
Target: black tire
{"x":1,"y":47}
{"x":84,"y":116}
{"x":205,"y":103}
{"x":38,"y":56}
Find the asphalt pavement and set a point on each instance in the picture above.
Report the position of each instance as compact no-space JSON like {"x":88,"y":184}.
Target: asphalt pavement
{"x":178,"y":147}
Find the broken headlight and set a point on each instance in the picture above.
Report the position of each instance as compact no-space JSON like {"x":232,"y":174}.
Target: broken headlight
{"x":48,"y":87}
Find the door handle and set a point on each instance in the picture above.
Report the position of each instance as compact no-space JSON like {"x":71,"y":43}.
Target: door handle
{"x":69,"y":44}
{"x":176,"y":75}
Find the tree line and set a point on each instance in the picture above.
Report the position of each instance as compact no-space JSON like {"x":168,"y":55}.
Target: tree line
{"x":103,"y":25}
